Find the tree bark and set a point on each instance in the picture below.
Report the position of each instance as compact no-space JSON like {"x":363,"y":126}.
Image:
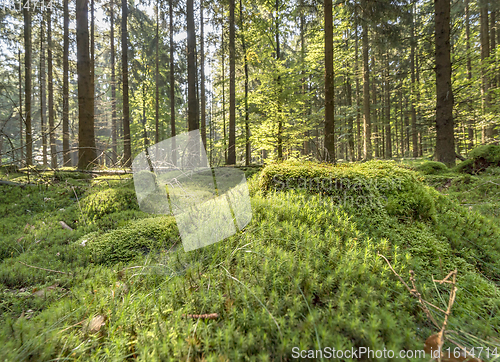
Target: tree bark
{"x":248,"y":149}
{"x":388,"y":140}
{"x":157,"y":71}
{"x":329,"y":86}
{"x":127,"y":149}
{"x":367,"y":144}
{"x":114,"y":140}
{"x":172,"y":82}
{"x":191,"y":67}
{"x":203,"y":126}
{"x":470,"y":129}
{"x":485,"y":53}
{"x":27,"y":84}
{"x":65,"y":115}
{"x":356,"y":74}
{"x":445,"y":138}
{"x":413,"y":89}
{"x":21,"y":117}
{"x":86,"y":140}
{"x":43,"y":92}
{"x":52,"y":138}
{"x":278,"y":98}
{"x":231,"y":155}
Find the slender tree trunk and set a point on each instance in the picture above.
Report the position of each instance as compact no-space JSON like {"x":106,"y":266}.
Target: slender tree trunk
{"x":202,"y":85}
{"x":413,"y":89}
{"x":485,"y":53}
{"x":86,"y":140}
{"x":52,"y":138}
{"x":92,"y":51}
{"x":172,"y":83}
{"x":445,"y":139}
{"x":114,"y":139}
{"x":65,"y":114}
{"x":356,"y":74}
{"x":493,"y":27}
{"x":43,"y":93}
{"x":231,"y":156}
{"x":388,"y":141}
{"x":248,"y":149}
{"x":191,"y":60}
{"x":367,"y":144}
{"x":470,"y":130}
{"x":157,"y":71}
{"x":278,"y":59}
{"x":223,"y":94}
{"x":21,"y":116}
{"x":27,"y":84}
{"x":127,"y":149}
{"x":373,"y":120}
{"x":350,"y":125}
{"x":329,"y":85}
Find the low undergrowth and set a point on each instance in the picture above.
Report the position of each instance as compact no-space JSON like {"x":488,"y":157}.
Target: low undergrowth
{"x":304,"y":273}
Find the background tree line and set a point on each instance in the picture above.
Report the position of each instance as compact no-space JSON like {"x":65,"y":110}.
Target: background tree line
{"x":95,"y":82}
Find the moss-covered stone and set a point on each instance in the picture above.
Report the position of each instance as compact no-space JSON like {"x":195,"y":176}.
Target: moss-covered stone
{"x":108,"y":201}
{"x":432,"y":168}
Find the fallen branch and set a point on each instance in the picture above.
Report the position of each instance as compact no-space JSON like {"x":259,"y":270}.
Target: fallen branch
{"x":49,"y":270}
{"x":10,"y":183}
{"x":65,"y":226}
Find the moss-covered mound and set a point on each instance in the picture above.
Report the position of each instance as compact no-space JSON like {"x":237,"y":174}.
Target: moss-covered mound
{"x":480,"y":159}
{"x":373,"y":185}
{"x":432,"y":168}
{"x":109,"y":200}
{"x":137,"y":238}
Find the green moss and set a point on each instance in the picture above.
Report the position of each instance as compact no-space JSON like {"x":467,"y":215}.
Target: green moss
{"x":136,"y":238}
{"x":480,"y":159}
{"x":432,"y":168}
{"x":107,"y":201}
{"x":373,"y":185}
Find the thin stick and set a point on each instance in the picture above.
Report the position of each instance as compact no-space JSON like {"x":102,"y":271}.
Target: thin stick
{"x":65,"y":226}
{"x":36,"y":267}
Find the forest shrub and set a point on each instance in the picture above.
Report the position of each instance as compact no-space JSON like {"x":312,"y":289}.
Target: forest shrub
{"x":432,"y":168}
{"x":138,"y":237}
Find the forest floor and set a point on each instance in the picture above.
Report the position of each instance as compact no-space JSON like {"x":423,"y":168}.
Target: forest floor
{"x":308,"y":272}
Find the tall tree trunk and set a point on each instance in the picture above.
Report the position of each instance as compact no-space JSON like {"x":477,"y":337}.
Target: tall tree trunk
{"x":356,"y":74}
{"x":413,"y":89}
{"x":223,"y":93}
{"x":388,"y":140}
{"x":278,"y":59}
{"x":191,"y":67}
{"x":329,"y":86}
{"x":470,"y":129}
{"x":373,"y":119}
{"x":248,"y":149}
{"x":27,"y":84}
{"x":231,"y":155}
{"x":52,"y":137}
{"x":65,"y":115}
{"x":203,"y":126}
{"x":445,"y":138}
{"x":367,"y":143}
{"x":43,"y":92}
{"x":485,"y":53}
{"x":21,"y":116}
{"x":86,"y":140}
{"x":127,"y":147}
{"x":157,"y":71}
{"x":350,"y":125}
{"x":114,"y":139}
{"x":493,"y":27}
{"x":172,"y":82}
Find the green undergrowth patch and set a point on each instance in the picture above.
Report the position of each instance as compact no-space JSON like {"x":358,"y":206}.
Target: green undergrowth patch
{"x":304,"y":273}
{"x":480,"y":159}
{"x":432,"y":168}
